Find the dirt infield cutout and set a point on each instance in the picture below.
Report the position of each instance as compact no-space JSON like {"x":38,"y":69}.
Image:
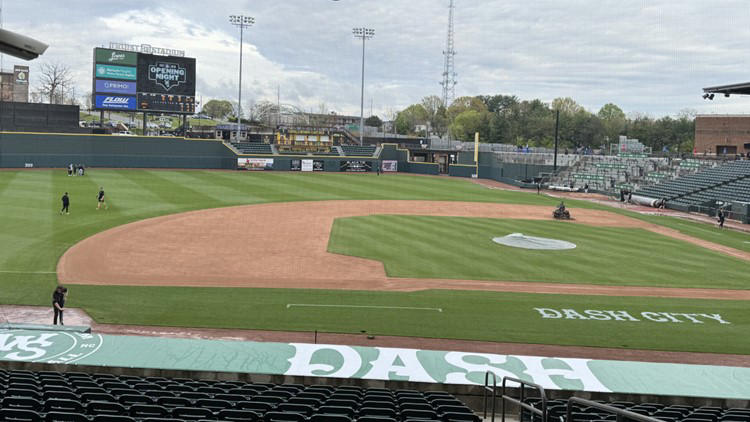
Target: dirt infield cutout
{"x":283,"y":245}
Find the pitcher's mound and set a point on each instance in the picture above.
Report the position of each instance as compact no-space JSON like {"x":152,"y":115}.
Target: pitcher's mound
{"x":520,"y":240}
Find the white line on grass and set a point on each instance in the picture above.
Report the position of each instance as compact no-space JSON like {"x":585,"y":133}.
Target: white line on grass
{"x":316,"y":305}
{"x":27,"y":272}
{"x":698,"y":228}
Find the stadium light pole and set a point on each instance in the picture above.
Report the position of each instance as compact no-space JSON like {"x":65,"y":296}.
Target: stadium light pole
{"x":241,"y":22}
{"x":365,"y":34}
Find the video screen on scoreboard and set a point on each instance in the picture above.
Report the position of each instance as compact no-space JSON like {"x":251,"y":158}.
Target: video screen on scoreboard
{"x":166,"y":75}
{"x":166,"y":103}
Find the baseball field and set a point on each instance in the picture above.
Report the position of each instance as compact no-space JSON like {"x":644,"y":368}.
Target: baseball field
{"x":390,"y":255}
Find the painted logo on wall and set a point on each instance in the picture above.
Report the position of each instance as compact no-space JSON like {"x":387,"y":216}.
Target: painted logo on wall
{"x":62,"y":347}
{"x":115,"y":87}
{"x":116,"y":72}
{"x":167,"y":75}
{"x":115,"y":102}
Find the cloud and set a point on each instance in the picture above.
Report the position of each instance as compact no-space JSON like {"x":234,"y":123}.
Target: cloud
{"x":651,"y":57}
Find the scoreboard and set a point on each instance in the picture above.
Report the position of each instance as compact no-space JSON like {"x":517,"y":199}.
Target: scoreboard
{"x":134,"y":81}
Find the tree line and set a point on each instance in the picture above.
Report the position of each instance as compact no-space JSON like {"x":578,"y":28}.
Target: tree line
{"x":509,"y":120}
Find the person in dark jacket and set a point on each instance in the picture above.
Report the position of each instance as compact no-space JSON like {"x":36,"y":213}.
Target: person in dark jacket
{"x":65,"y":204}
{"x":721,"y":217}
{"x":100,"y":199}
{"x":58,"y":303}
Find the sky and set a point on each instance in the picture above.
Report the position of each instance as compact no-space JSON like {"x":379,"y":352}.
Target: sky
{"x":650,"y":56}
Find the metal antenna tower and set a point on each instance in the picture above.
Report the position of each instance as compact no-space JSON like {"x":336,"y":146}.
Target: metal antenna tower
{"x":449,"y":74}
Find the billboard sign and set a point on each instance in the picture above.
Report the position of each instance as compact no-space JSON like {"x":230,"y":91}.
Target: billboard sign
{"x":116,"y":57}
{"x":166,"y":75}
{"x":355,"y":166}
{"x":390,"y":165}
{"x":21,"y":75}
{"x":116,"y":72}
{"x":114,"y":102}
{"x":115,"y":87}
{"x":166,"y":103}
{"x":255,"y":163}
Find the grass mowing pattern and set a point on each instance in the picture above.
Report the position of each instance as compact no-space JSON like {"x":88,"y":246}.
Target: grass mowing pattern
{"x":33,"y":236}
{"x":489,"y":316}
{"x":462,"y":248}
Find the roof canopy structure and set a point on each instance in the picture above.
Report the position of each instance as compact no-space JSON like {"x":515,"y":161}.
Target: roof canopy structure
{"x":741,"y":89}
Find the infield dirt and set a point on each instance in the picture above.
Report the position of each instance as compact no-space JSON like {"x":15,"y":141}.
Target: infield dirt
{"x":284,"y":245}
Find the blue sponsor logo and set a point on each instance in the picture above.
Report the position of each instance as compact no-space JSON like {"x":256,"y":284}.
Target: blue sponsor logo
{"x":115,"y":102}
{"x":115,"y":87}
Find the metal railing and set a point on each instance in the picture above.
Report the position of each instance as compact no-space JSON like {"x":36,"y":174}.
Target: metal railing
{"x":621,"y":414}
{"x":494,"y":393}
{"x":522,"y":386}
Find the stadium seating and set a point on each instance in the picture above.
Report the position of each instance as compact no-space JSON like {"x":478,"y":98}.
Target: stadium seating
{"x":556,"y":411}
{"x":727,"y":182}
{"x":73,"y":396}
{"x":253,"y":148}
{"x":356,"y":150}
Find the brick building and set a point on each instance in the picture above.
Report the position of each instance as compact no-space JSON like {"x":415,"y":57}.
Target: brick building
{"x":722,"y":134}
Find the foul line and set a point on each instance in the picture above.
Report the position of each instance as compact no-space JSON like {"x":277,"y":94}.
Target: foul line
{"x":27,"y":272}
{"x":314,"y":305}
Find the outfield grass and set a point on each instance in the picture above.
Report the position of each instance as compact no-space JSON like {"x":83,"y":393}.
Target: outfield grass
{"x":462,"y":248}
{"x":33,"y":236}
{"x":489,"y":316}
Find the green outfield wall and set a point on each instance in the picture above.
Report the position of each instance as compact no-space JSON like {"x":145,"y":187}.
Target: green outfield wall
{"x":59,"y":150}
{"x":18,"y":150}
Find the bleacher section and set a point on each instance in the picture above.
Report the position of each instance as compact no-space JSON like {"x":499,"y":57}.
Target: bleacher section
{"x":76,"y":396}
{"x":712,"y":183}
{"x":253,"y":148}
{"x":557,"y":412}
{"x":611,"y":172}
{"x":356,"y":150}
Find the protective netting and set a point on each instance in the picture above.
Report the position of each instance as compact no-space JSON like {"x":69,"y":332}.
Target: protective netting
{"x":520,"y":240}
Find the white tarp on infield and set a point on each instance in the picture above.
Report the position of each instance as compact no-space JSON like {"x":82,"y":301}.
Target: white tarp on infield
{"x":520,"y":240}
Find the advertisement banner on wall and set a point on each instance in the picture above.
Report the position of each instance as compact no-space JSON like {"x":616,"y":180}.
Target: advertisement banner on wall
{"x":390,"y":165}
{"x":295,"y":165}
{"x":255,"y":163}
{"x":318,"y":165}
{"x":355,"y":166}
{"x":115,"y":87}
{"x":166,"y":103}
{"x":107,"y":56}
{"x":116,"y":72}
{"x":115,"y":102}
{"x":307,"y":165}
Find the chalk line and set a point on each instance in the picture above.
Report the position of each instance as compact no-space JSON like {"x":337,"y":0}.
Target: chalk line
{"x":317,"y":305}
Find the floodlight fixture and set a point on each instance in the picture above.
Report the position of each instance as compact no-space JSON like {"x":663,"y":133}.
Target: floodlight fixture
{"x":364,"y":34}
{"x":242,"y":22}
